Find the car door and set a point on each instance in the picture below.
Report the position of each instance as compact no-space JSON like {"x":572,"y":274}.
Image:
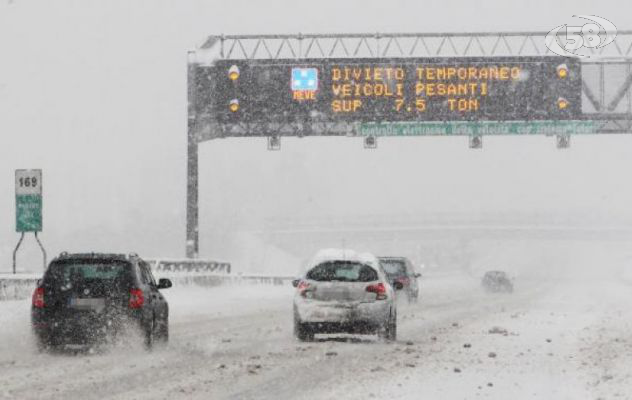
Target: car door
{"x":158,"y":302}
{"x":412,"y":273}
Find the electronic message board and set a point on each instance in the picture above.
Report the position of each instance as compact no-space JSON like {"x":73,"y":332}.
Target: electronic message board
{"x":383,"y":90}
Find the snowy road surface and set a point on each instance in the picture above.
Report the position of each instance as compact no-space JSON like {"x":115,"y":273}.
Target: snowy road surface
{"x":551,"y":340}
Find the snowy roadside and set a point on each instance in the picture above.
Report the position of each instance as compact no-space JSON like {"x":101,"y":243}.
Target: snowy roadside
{"x":563,"y":345}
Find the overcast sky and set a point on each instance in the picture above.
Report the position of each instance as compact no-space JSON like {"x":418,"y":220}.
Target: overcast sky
{"x":94,"y":93}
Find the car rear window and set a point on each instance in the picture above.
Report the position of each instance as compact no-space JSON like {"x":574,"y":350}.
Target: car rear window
{"x":88,"y":270}
{"x":344,"y":271}
{"x":394,"y":267}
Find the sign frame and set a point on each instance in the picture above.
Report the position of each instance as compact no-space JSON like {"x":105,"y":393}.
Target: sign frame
{"x":28,"y":208}
{"x":265,"y":95}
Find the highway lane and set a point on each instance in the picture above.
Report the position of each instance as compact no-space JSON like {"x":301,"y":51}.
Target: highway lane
{"x":236,"y":343}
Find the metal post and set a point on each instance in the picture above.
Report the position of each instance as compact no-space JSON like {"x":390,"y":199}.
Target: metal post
{"x":192,"y":243}
{"x":41,"y":247}
{"x":15,"y":252}
{"x":602,"y":86}
{"x":628,"y":72}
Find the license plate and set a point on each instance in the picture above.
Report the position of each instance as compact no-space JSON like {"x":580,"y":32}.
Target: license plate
{"x":335,"y":311}
{"x":87,"y":304}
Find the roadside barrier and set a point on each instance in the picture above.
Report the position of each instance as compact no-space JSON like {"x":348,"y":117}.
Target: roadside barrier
{"x":188,"y":265}
{"x":17,"y":287}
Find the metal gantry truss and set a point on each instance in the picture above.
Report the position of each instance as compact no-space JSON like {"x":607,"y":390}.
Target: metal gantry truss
{"x":606,"y":80}
{"x":390,"y":45}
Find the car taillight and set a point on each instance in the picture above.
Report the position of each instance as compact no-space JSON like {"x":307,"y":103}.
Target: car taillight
{"x":303,"y":287}
{"x":38,"y":298}
{"x":379,"y":289}
{"x":136,"y":298}
{"x":404,"y":280}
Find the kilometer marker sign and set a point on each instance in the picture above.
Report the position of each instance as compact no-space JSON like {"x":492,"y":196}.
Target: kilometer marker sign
{"x":28,"y":200}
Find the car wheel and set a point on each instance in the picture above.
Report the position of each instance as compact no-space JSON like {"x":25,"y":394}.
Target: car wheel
{"x":392,"y":331}
{"x":163,"y":331}
{"x":389,"y":331}
{"x":302,"y":331}
{"x":41,"y":345}
{"x":149,"y":335}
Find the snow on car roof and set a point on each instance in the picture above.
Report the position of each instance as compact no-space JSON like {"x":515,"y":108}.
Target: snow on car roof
{"x":343,"y":255}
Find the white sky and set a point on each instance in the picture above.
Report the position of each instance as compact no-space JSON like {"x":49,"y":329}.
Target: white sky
{"x":94,"y":93}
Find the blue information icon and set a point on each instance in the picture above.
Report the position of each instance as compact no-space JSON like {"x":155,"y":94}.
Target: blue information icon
{"x":304,"y":79}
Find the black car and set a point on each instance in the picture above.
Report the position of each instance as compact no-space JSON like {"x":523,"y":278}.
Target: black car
{"x":402,"y":275}
{"x":497,"y":281}
{"x":87,"y":299}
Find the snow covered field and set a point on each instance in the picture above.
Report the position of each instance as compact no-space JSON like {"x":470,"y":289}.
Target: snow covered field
{"x":565,"y":339}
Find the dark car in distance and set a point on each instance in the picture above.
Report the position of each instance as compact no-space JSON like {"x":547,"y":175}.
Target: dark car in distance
{"x":402,"y":275}
{"x":497,"y":281}
{"x":88,"y":299}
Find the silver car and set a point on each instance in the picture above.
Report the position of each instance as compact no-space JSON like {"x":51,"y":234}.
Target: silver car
{"x":343,"y":291}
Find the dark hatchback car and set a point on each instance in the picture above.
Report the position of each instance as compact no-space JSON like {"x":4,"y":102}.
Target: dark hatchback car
{"x":497,"y":281}
{"x":401,"y":273}
{"x":88,"y":299}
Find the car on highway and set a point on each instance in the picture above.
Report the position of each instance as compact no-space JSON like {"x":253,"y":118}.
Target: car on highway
{"x":88,"y":299}
{"x":401,"y":270}
{"x":344,"y":292}
{"x":497,"y":281}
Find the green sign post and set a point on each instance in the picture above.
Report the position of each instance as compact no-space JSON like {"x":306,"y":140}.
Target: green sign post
{"x":28,"y":213}
{"x":28,"y":206}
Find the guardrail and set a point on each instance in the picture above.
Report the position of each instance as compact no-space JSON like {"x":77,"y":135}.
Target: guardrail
{"x":17,"y":287}
{"x":263,"y":279}
{"x":188,"y":265}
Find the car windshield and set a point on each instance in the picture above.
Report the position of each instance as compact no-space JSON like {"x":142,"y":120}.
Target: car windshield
{"x":394,"y":268}
{"x":87,"y":271}
{"x":344,"y":271}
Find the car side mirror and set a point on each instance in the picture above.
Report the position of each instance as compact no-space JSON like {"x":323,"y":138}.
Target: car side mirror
{"x":295,"y":282}
{"x":398,"y":285}
{"x":164,"y":283}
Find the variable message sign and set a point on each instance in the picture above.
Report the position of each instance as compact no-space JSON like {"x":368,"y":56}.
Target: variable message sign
{"x":385,"y":90}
